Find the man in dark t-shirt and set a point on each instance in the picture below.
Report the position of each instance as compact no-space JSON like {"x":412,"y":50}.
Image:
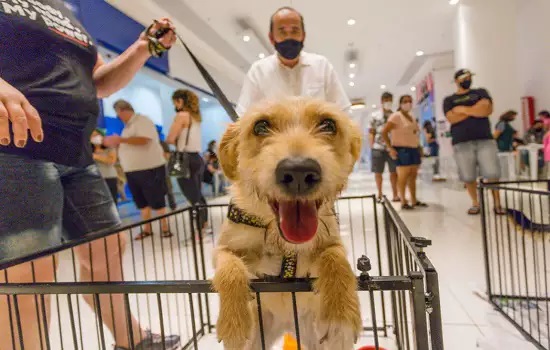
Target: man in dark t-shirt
{"x":468,"y":111}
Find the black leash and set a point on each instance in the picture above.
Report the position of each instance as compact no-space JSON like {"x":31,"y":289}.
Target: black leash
{"x":156,"y":48}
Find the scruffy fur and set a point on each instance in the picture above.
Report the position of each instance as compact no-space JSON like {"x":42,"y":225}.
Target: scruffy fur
{"x":329,"y":318}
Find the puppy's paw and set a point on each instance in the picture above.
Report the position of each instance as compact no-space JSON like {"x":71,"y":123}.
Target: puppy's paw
{"x":337,"y":336}
{"x":234,"y":327}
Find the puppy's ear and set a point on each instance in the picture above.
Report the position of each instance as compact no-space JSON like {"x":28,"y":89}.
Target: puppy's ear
{"x":228,"y":151}
{"x":356,"y":142}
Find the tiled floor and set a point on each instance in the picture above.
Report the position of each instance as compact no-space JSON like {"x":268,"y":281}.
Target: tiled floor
{"x":456,"y":252}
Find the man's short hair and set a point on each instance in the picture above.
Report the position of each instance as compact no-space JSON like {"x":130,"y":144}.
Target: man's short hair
{"x":544,"y":114}
{"x":289,"y":9}
{"x":386,"y":95}
{"x":123,"y":105}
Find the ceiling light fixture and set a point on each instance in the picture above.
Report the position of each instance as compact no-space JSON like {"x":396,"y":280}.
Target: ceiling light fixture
{"x":351,"y":83}
{"x":373,"y":106}
{"x":454,"y":2}
{"x":352,"y":65}
{"x":357,"y":106}
{"x":413,"y":88}
{"x":205,"y":99}
{"x":261,"y":55}
{"x":352,"y":75}
{"x":420,"y":53}
{"x":351,"y":22}
{"x":382,"y":86}
{"x":246,"y":38}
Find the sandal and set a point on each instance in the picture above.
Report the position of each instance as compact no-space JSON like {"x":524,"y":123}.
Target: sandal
{"x":379,"y":200}
{"x":166,"y":234}
{"x":500,"y":211}
{"x":421,"y":204}
{"x":142,"y":235}
{"x":407,"y":207}
{"x":396,"y":199}
{"x":474,"y":210}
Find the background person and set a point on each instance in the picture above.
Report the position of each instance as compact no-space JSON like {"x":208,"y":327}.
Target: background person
{"x":290,"y":71}
{"x":433,"y":147}
{"x":545,"y":116}
{"x":379,"y":148}
{"x":405,"y":150}
{"x":505,"y":133}
{"x":105,"y":159}
{"x":468,"y":111}
{"x":185,"y":133}
{"x":50,"y":185}
{"x":142,"y":159}
{"x":169,"y":188}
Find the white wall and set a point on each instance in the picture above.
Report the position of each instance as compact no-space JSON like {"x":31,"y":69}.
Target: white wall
{"x":534,"y":51}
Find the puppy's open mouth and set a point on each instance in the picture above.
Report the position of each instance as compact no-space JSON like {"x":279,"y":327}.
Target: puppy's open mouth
{"x":298,"y":220}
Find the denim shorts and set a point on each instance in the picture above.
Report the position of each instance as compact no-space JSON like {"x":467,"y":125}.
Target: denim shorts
{"x":407,"y":156}
{"x":45,"y":204}
{"x":471,"y":155}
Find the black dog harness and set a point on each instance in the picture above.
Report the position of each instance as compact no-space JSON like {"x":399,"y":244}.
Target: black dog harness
{"x":239,"y":216}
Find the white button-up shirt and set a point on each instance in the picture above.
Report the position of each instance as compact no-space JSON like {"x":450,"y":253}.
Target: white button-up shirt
{"x":313,"y":76}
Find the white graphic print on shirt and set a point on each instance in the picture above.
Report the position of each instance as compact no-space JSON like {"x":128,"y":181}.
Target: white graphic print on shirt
{"x":52,"y":18}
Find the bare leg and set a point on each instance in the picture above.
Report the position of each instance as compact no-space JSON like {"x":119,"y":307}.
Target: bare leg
{"x":496,"y":195}
{"x":163,"y":222}
{"x":146,"y":215}
{"x":402,"y":178}
{"x":30,"y":308}
{"x":412,"y":183}
{"x":472,"y":191}
{"x":378,"y":178}
{"x":108,"y":268}
{"x":393,"y":180}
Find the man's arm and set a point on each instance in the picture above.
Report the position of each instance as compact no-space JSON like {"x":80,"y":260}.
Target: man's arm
{"x":482,"y":109}
{"x":250,"y":94}
{"x":372,"y":133}
{"x":113,"y":76}
{"x":453,"y":113}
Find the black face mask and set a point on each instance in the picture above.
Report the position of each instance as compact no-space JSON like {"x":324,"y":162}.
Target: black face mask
{"x":178,"y":109}
{"x":465,"y":84}
{"x":289,"y":49}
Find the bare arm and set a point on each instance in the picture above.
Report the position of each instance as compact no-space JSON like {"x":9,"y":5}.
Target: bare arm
{"x":110,"y":158}
{"x":455,"y":117}
{"x":113,"y":76}
{"x":497,"y":134}
{"x":386,"y":133}
{"x":181,"y":121}
{"x":371,"y":137}
{"x":482,"y":109}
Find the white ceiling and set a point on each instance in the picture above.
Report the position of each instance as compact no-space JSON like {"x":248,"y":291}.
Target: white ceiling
{"x":387,"y":34}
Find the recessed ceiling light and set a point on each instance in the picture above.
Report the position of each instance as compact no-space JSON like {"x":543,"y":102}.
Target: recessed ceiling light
{"x":351,"y":83}
{"x":382,"y":86}
{"x":413,"y":88}
{"x":205,"y":99}
{"x":261,"y":55}
{"x":351,"y":22}
{"x":352,"y":75}
{"x":373,"y":106}
{"x":454,"y":2}
{"x":352,"y":65}
{"x":246,"y":38}
{"x":420,"y":53}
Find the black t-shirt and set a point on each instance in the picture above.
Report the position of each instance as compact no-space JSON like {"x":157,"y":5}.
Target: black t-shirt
{"x":47,"y":55}
{"x":472,"y":128}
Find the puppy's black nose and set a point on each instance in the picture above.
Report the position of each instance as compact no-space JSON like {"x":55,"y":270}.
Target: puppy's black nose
{"x":298,"y":176}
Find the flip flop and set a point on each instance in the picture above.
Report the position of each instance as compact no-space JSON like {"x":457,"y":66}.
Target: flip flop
{"x":421,"y":204}
{"x":396,"y":199}
{"x":166,"y":234}
{"x":407,"y":207}
{"x":499,"y":211}
{"x":142,"y":235}
{"x":474,"y":210}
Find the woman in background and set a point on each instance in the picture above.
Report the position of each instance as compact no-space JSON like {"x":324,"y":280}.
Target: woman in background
{"x":105,"y":159}
{"x":185,"y":133}
{"x":433,"y":145}
{"x":505,"y":133}
{"x":405,"y":142}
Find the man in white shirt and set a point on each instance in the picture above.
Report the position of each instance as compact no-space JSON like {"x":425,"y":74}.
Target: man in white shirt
{"x":142,"y":159}
{"x":290,"y":71}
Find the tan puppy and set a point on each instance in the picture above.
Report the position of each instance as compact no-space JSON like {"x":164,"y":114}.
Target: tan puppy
{"x":288,"y":162}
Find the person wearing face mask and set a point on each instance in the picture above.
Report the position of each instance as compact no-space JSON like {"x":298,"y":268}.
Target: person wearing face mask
{"x":105,"y":159}
{"x":290,"y":71}
{"x":474,"y":147}
{"x":404,"y":149}
{"x":380,"y":155}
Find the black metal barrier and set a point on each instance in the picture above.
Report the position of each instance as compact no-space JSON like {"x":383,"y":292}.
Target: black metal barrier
{"x":516,"y":248}
{"x":108,"y":288}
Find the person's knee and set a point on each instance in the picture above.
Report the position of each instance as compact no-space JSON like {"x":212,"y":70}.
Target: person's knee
{"x":40,"y":270}
{"x":98,"y":255}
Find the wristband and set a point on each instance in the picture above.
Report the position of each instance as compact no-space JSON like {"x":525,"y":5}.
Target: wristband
{"x":155,"y":47}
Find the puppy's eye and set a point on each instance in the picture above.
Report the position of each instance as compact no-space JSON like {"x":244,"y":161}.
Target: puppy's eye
{"x":328,"y":126}
{"x":261,"y":128}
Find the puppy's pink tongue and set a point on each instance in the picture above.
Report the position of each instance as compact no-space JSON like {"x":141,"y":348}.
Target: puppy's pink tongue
{"x":298,"y":220}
